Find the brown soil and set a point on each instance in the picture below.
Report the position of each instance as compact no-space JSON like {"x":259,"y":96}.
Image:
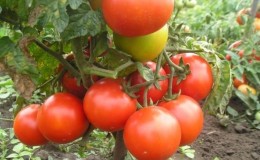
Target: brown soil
{"x":235,"y":142}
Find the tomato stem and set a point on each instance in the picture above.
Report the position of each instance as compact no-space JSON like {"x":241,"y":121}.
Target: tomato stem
{"x":176,"y":15}
{"x":6,"y":119}
{"x":172,"y":49}
{"x":249,"y":26}
{"x":171,"y":64}
{"x":58,"y":56}
{"x":120,"y":150}
{"x":145,"y":102}
{"x":80,"y":60}
{"x":158,"y":66}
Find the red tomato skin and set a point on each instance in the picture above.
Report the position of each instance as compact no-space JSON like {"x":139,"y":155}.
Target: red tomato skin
{"x":152,"y":133}
{"x":61,"y":118}
{"x":135,"y":18}
{"x":69,"y":83}
{"x":25,"y":120}
{"x":107,"y":106}
{"x":153,"y":93}
{"x":189,"y":115}
{"x":199,"y":82}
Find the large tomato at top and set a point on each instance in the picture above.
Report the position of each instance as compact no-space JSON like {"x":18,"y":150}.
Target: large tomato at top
{"x":143,"y":48}
{"x":189,"y":115}
{"x":153,"y":93}
{"x":61,"y":118}
{"x":26,"y":128}
{"x":70,"y":84}
{"x":199,"y":82}
{"x":136,"y":17}
{"x":152,"y":133}
{"x":107,"y":106}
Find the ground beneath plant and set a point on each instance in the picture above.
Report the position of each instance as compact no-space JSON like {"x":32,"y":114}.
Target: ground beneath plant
{"x":234,"y":142}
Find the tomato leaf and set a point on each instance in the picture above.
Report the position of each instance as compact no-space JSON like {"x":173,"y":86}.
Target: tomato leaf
{"x":100,"y":47}
{"x":222,"y":88}
{"x":82,"y":22}
{"x":74,"y":4}
{"x":232,"y":111}
{"x":6,"y":46}
{"x":146,"y":72}
{"x":56,"y":13}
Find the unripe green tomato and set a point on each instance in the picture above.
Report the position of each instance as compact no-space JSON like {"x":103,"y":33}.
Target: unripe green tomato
{"x":178,"y":4}
{"x":257,"y":116}
{"x":190,"y":3}
{"x":143,"y":48}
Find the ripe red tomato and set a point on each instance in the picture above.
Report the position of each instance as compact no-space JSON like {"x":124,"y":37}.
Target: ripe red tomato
{"x":69,"y":83}
{"x":153,"y":93}
{"x":199,"y":82}
{"x":189,"y":115}
{"x":143,"y":48}
{"x":61,"y":118}
{"x":136,"y":18}
{"x":107,"y":106}
{"x":237,"y":82}
{"x":152,"y":133}
{"x":26,"y":128}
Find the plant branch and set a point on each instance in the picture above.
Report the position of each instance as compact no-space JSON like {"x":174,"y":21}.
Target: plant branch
{"x":172,"y":49}
{"x":6,"y":119}
{"x":171,"y":64}
{"x":59,"y":57}
{"x":120,"y":150}
{"x":10,"y":21}
{"x":80,"y":60}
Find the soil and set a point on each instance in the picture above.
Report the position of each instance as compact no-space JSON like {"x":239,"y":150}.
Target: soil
{"x":234,"y":142}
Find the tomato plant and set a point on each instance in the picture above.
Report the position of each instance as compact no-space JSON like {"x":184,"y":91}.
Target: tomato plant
{"x":71,"y":85}
{"x":153,"y":93}
{"x":134,"y":18}
{"x":26,"y":128}
{"x":157,"y":132}
{"x":199,"y":82}
{"x":189,"y":115}
{"x":61,"y":118}
{"x":142,"y":48}
{"x":107,"y":106}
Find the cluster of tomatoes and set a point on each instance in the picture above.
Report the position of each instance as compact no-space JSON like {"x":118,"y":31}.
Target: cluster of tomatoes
{"x":242,"y":84}
{"x":150,"y":132}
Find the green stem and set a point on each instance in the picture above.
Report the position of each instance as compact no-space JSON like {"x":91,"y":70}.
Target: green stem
{"x":59,"y":57}
{"x":171,"y":64}
{"x":176,"y":15}
{"x":6,"y":119}
{"x":80,"y":60}
{"x":10,"y":21}
{"x":172,"y":49}
{"x":249,"y":26}
{"x":158,"y":66}
{"x":145,"y":102}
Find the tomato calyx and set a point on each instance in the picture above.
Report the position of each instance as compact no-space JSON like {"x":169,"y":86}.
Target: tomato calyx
{"x":181,"y":70}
